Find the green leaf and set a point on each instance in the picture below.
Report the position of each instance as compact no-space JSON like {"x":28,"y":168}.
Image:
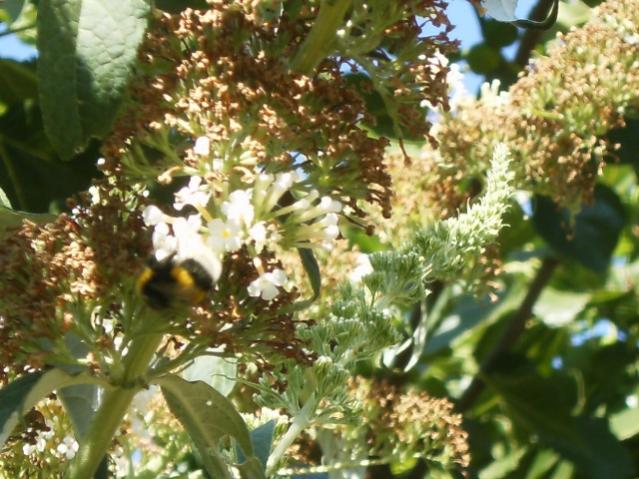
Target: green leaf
{"x":558,"y":308}
{"x":19,"y":396}
{"x":31,"y":174}
{"x":87,"y":49}
{"x":543,"y":461}
{"x":573,"y":13}
{"x":262,"y":440}
{"x":467,"y":314}
{"x":13,"y":9}
{"x":502,"y":466}
{"x":592,"y":238}
{"x":81,"y":403}
{"x":382,"y":124}
{"x":543,"y":405}
{"x":499,"y":34}
{"x":4,"y":200}
{"x":312,"y":270}
{"x":18,"y":81}
{"x":220,"y":373}
{"x":207,"y":416}
{"x":11,"y":219}
{"x":366,"y":243}
{"x":625,"y":424}
{"x":483,"y":59}
{"x":564,"y":469}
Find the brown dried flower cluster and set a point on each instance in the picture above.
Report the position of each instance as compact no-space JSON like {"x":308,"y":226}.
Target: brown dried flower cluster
{"x":241,"y":95}
{"x":223,"y":73}
{"x":411,"y":423}
{"x":552,"y":119}
{"x":52,"y":272}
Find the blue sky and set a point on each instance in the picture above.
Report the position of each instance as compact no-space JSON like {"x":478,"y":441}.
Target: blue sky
{"x":460,"y":12}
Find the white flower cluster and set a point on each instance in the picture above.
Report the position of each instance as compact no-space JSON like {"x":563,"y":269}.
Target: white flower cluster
{"x":266,"y":211}
{"x":65,"y":449}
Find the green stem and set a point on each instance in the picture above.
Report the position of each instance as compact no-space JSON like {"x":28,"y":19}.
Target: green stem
{"x":298,"y":425}
{"x":321,"y":37}
{"x":114,"y":406}
{"x":17,"y":30}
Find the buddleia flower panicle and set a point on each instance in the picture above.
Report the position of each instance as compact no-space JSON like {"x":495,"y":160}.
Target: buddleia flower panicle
{"x":554,"y":119}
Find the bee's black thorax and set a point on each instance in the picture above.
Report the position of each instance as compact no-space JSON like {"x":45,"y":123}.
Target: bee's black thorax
{"x":168,"y":283}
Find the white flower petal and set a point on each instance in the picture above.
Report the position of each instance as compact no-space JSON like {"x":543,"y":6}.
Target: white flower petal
{"x":269,"y":292}
{"x":254,"y":289}
{"x":278,"y":277}
{"x":329,"y":205}
{"x":266,"y":285}
{"x":195,"y":194}
{"x":239,"y":207}
{"x":153,"y":215}
{"x":202,"y":146}
{"x":224,"y":236}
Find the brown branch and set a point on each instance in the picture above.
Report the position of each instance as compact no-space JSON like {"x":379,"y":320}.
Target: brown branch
{"x":513,"y":331}
{"x":531,"y":38}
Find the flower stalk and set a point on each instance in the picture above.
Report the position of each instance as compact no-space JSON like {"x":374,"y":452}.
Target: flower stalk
{"x":299,"y":424}
{"x":321,"y":37}
{"x":114,"y":406}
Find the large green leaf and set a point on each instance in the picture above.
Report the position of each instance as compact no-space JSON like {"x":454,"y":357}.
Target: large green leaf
{"x":19,"y":396}
{"x":87,"y":49}
{"x":594,"y":234}
{"x":543,"y":406}
{"x":207,"y":416}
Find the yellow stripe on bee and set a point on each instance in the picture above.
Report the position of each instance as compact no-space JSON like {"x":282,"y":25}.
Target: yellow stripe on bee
{"x":182,"y":277}
{"x":190,"y":290}
{"x":143,"y":279}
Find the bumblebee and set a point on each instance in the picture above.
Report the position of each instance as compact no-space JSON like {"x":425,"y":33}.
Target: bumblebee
{"x":169,"y":283}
